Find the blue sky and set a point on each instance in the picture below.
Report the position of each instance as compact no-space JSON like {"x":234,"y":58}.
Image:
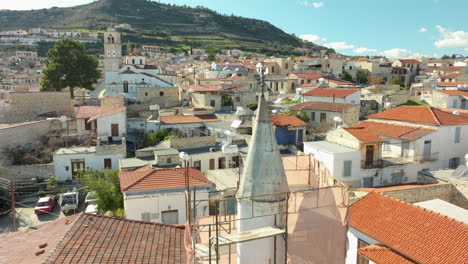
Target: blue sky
{"x":396,"y":28}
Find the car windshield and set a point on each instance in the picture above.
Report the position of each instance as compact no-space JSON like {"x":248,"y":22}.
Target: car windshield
{"x":68,"y":200}
{"x":42,"y":204}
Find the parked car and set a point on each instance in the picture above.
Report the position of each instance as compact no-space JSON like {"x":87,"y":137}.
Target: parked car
{"x":45,"y":205}
{"x":69,"y":201}
{"x":92,"y":209}
{"x":90,"y":198}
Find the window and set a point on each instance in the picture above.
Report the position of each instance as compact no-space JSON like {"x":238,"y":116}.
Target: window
{"x":221,"y":163}
{"x":168,"y":161}
{"x":454,"y":163}
{"x":125,"y":87}
{"x":67,"y":168}
{"x":141,"y":61}
{"x":107,"y":164}
{"x":212,"y":103}
{"x":146,"y":94}
{"x":146,"y":216}
{"x":238,"y":99}
{"x":212,"y":164}
{"x":386,"y":147}
{"x":133,"y":61}
{"x":457,"y":135}
{"x":286,"y":66}
{"x":347,"y":168}
{"x":170,"y":217}
{"x":197,"y":165}
{"x":87,"y":125}
{"x":312,"y":116}
{"x":368,"y":182}
{"x":161,"y":93}
{"x":323,"y":117}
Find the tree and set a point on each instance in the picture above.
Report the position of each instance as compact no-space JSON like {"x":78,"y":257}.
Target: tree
{"x":399,"y":80}
{"x":373,"y":80}
{"x":69,"y":66}
{"x":152,"y":139}
{"x":347,"y":77}
{"x":362,"y":76}
{"x":226,"y":99}
{"x":105,"y":183}
{"x":299,"y":114}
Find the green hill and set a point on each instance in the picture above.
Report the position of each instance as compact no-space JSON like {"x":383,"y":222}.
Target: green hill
{"x":166,"y":25}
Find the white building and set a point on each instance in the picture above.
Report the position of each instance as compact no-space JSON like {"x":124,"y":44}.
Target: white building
{"x":158,"y":195}
{"x":392,"y":146}
{"x":108,"y":123}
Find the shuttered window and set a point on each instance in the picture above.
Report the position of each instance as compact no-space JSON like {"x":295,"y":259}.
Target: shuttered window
{"x":347,"y":168}
{"x":457,"y":135}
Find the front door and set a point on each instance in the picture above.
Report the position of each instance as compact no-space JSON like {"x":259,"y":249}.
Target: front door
{"x":427,"y":150}
{"x":77,"y":166}
{"x":369,"y":155}
{"x":115,"y":130}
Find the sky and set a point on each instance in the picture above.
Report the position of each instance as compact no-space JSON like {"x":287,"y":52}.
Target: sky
{"x":397,"y":28}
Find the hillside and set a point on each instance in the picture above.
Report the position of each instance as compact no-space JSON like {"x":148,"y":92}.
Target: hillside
{"x":160,"y":24}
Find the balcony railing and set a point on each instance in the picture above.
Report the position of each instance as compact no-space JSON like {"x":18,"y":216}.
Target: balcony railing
{"x":371,"y":164}
{"x":428,"y":157}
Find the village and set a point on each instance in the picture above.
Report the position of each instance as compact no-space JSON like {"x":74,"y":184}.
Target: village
{"x":230,"y":156}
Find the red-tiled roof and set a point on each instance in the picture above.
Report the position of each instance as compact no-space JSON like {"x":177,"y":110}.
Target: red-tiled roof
{"x":152,"y":179}
{"x":393,"y":131}
{"x":307,"y":85}
{"x":420,"y":235}
{"x":363,"y":135}
{"x":339,"y":81}
{"x":287,"y":120}
{"x":201,"y":88}
{"x":308,"y":76}
{"x":396,"y":188}
{"x":301,"y":58}
{"x":453,"y":68}
{"x":329,"y":92}
{"x":187,"y":119}
{"x":236,"y":87}
{"x":451,"y":75}
{"x":323,"y":106}
{"x":421,"y":114}
{"x":450,"y":84}
{"x":220,"y":79}
{"x":104,"y":239}
{"x":454,"y":92}
{"x":410,"y":61}
{"x":383,"y":255}
{"x":94,"y":112}
{"x":463,"y":113}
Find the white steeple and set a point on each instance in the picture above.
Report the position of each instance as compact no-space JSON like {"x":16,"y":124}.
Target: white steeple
{"x":262,"y":191}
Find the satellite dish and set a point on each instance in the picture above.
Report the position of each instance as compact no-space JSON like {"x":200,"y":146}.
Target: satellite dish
{"x":456,"y":112}
{"x":283,"y":92}
{"x":337,"y":119}
{"x":228,"y":132}
{"x":184,"y":156}
{"x":154,"y":107}
{"x":259,"y":65}
{"x":191,"y":90}
{"x":322,"y":80}
{"x":275,"y":111}
{"x":63,"y":119}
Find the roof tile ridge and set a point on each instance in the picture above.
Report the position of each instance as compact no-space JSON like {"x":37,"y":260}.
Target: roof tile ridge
{"x":132,"y":220}
{"x":149,"y":172}
{"x":431,"y":109}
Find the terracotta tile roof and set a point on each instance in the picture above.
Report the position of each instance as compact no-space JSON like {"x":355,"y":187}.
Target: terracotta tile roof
{"x":450,"y":84}
{"x":236,"y":87}
{"x":339,"y":81}
{"x":287,"y":120}
{"x":220,"y":79}
{"x":435,"y":61}
{"x":330,"y":92}
{"x":452,"y":75}
{"x":308,"y":76}
{"x":323,"y":106}
{"x":395,"y":188}
{"x":420,"y":114}
{"x":301,"y":58}
{"x":104,"y":239}
{"x":454,"y":92}
{"x":393,"y":131}
{"x":181,"y":119}
{"x":420,"y":235}
{"x":152,"y":179}
{"x":201,"y":88}
{"x":463,"y":113}
{"x":410,"y":61}
{"x":308,"y":85}
{"x":94,"y":112}
{"x":453,"y":68}
{"x":383,"y":255}
{"x":363,"y":135}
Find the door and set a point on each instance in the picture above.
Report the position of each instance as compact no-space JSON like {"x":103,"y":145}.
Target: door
{"x":369,"y":155}
{"x":115,"y":130}
{"x":77,"y":166}
{"x":212,"y":164}
{"x":404,"y":149}
{"x":427,"y":150}
{"x":368,"y":182}
{"x":170,"y":217}
{"x":323,"y":117}
{"x":108,"y":163}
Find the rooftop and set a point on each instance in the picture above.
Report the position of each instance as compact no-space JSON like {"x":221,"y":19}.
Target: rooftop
{"x":393,"y":131}
{"x":329,"y":147}
{"x":95,"y":112}
{"x":75,"y":150}
{"x":330,"y":92}
{"x":363,"y":135}
{"x":451,"y":75}
{"x":201,"y":88}
{"x":450,"y":84}
{"x":396,"y":188}
{"x":446,"y":208}
{"x":186,"y":119}
{"x":453,"y":68}
{"x":420,"y":235}
{"x":410,"y":61}
{"x":308,"y":76}
{"x":152,"y":179}
{"x":383,"y":255}
{"x":420,"y":114}
{"x":287,"y":120}
{"x":323,"y":106}
{"x":454,"y":92}
{"x":103,"y":239}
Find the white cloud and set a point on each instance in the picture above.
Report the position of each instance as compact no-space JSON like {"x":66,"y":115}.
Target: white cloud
{"x":451,"y":39}
{"x":339,"y":45}
{"x":364,"y":50}
{"x":313,"y":4}
{"x":423,"y":30}
{"x":317,"y":4}
{"x":396,"y":53}
{"x":313,"y":38}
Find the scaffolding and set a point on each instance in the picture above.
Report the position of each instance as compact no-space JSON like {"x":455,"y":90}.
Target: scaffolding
{"x":310,"y":226}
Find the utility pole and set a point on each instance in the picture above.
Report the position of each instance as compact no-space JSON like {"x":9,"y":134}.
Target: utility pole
{"x":12,"y":197}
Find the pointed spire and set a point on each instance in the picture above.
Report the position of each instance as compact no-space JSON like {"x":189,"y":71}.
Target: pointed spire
{"x":264,"y":172}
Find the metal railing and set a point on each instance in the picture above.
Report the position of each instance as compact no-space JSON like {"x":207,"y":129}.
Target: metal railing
{"x":371,"y":164}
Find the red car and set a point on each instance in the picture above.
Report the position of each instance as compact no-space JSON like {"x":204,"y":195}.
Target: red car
{"x":45,"y":204}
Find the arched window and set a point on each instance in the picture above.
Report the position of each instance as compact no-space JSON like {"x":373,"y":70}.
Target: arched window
{"x":125,"y":87}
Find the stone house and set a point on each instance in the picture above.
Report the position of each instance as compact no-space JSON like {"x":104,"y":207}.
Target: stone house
{"x":450,"y":99}
{"x":319,"y":112}
{"x":107,"y":123}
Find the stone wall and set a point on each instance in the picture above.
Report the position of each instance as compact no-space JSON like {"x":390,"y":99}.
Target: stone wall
{"x":114,"y":100}
{"x":192,"y":142}
{"x":26,"y":133}
{"x":27,"y":172}
{"x":20,"y":107}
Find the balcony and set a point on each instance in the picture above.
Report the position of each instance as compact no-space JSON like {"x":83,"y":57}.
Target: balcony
{"x":371,"y":164}
{"x":428,"y":157}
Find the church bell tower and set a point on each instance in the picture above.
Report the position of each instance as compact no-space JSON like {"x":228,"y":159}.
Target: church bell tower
{"x":112,"y":51}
